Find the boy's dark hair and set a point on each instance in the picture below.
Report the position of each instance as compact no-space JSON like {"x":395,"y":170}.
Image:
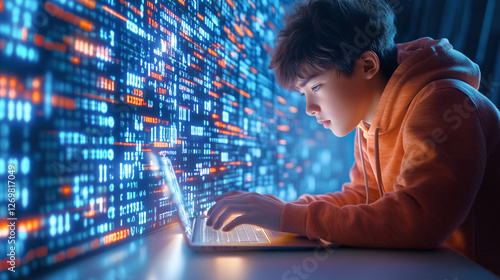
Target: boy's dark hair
{"x":323,"y":34}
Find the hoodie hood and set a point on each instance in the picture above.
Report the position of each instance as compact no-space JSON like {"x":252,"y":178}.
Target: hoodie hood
{"x":420,"y":63}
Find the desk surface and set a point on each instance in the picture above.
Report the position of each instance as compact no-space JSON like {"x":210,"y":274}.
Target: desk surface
{"x":165,"y":255}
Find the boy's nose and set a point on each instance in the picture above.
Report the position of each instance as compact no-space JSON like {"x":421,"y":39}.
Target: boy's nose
{"x":312,"y":109}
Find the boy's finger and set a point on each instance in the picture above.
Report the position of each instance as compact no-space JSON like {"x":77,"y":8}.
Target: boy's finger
{"x":210,"y":210}
{"x":228,"y":212}
{"x":216,"y":210}
{"x":235,"y":222}
{"x":217,"y":204}
{"x":223,"y":210}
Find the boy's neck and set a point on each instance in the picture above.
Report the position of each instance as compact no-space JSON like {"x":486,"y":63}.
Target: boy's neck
{"x":379,"y":82}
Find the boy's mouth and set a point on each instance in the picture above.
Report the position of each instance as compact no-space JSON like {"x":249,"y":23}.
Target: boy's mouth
{"x":325,"y":123}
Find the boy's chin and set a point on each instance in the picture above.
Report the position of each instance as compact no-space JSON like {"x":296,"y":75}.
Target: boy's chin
{"x":341,"y":131}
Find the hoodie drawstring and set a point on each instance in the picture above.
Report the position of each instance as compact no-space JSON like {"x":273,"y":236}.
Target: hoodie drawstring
{"x":360,"y":145}
{"x":377,"y":165}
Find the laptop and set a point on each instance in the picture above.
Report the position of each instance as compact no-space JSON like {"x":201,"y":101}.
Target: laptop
{"x":243,"y":237}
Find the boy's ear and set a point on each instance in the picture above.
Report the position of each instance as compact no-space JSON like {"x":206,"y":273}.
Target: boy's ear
{"x":370,"y":64}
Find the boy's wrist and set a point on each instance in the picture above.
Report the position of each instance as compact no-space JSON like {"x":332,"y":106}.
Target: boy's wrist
{"x":293,"y":218}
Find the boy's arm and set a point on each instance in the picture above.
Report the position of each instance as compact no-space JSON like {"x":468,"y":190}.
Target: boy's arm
{"x":437,"y":185}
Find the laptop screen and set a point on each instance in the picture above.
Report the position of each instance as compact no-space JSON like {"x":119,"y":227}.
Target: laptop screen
{"x":175,"y":193}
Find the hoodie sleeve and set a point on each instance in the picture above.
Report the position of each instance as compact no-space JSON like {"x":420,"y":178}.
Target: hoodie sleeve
{"x":439,"y":178}
{"x":353,"y":192}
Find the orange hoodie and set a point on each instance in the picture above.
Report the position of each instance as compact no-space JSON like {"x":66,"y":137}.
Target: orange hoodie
{"x":426,"y":171}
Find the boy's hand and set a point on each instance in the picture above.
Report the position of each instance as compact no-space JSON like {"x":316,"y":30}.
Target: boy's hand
{"x":252,"y":208}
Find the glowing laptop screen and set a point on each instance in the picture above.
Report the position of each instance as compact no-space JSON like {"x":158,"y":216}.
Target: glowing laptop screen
{"x":176,"y":194}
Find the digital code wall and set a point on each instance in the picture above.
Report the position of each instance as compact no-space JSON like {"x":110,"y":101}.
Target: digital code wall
{"x":88,"y":87}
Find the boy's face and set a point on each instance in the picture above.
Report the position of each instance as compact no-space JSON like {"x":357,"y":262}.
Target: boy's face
{"x":340,"y":102}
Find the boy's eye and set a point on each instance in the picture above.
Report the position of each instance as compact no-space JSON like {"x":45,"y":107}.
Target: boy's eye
{"x":316,"y":88}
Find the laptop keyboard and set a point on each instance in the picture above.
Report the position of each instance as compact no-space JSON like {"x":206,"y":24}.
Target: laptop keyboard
{"x":240,"y":234}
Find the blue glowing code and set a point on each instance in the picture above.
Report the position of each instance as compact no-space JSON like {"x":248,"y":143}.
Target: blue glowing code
{"x":88,"y":87}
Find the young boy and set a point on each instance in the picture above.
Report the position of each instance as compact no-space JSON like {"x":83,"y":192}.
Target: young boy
{"x":427,"y":149}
